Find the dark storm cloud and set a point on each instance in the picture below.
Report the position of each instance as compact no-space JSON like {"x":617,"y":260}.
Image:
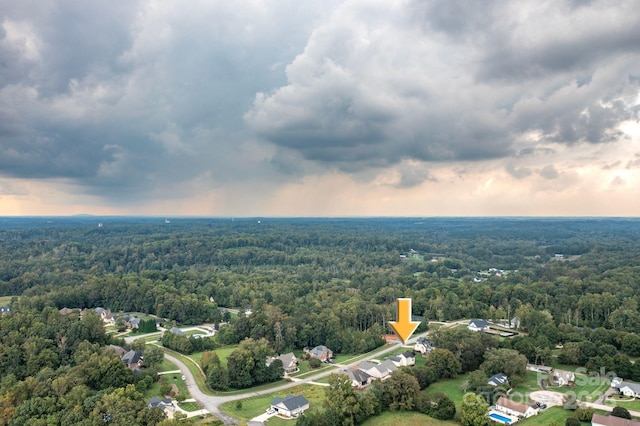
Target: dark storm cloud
{"x":129,"y":98}
{"x":455,"y":81}
{"x":126,"y":98}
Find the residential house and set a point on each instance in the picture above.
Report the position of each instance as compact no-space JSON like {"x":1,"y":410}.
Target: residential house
{"x":609,"y":420}
{"x":176,"y":330}
{"x":379,"y":371}
{"x":478,"y":325}
{"x":289,"y":362}
{"x":290,"y":406}
{"x":321,"y":352}
{"x":616,"y":381}
{"x":119,"y":350}
{"x":358,"y":378}
{"x":134,"y":323}
{"x":405,"y":359}
{"x":629,"y":389}
{"x":66,"y":311}
{"x":514,"y":408}
{"x":164,"y":404}
{"x":133,"y":359}
{"x":539,"y":368}
{"x":105,"y":315}
{"x":423,"y":345}
{"x":498,"y":379}
{"x":563,"y":377}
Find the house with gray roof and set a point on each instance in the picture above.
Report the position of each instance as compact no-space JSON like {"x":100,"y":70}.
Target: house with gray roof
{"x":133,"y":359}
{"x":423,"y":345}
{"x":289,"y":362}
{"x":498,"y":379}
{"x":176,"y":330}
{"x":290,"y":405}
{"x":629,"y":389}
{"x":378,"y":371}
{"x":165,"y":404}
{"x":358,"y":378}
{"x":478,"y":325}
{"x":321,"y":352}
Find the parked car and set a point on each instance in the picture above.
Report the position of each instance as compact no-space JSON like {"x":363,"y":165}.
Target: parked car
{"x":271,"y":410}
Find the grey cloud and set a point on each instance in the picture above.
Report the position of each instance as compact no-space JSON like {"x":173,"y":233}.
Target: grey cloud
{"x":518,"y":172}
{"x":635,"y":162}
{"x":549,"y":172}
{"x":611,"y":166}
{"x":129,"y":98}
{"x":412,"y":175}
{"x":431,"y":83}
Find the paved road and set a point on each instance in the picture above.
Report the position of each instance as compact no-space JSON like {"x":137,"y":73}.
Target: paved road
{"x":213,"y":403}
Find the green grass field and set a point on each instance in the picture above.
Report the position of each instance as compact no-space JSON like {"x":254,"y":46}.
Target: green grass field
{"x":6,"y":300}
{"x":449,"y":387}
{"x":190,"y":406}
{"x":553,"y":414}
{"x":404,"y":418}
{"x":629,"y":404}
{"x":254,"y":406}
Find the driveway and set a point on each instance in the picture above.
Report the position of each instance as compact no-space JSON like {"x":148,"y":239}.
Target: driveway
{"x":262,"y":417}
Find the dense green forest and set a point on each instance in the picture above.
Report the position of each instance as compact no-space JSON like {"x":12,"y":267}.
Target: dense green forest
{"x":313,"y":281}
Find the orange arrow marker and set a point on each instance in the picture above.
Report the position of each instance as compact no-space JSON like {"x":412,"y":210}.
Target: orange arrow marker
{"x":404,"y":327}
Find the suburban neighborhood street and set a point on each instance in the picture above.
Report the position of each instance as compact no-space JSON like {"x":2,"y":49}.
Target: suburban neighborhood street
{"x":213,"y":403}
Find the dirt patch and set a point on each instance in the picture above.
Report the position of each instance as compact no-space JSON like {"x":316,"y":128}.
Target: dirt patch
{"x":174,"y":389}
{"x":548,"y":397}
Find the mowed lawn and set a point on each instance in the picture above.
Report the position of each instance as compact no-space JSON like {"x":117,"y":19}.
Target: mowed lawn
{"x":449,"y":387}
{"x":549,"y":416}
{"x":256,"y":405}
{"x":405,"y":418}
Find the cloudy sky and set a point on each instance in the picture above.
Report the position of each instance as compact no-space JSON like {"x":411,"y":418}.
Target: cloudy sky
{"x":307,"y":108}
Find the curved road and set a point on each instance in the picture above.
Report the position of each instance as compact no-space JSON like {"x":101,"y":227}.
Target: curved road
{"x":212,"y":403}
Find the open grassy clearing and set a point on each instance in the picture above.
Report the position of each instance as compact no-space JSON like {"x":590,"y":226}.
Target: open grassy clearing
{"x":171,"y":379}
{"x":167,"y":365}
{"x":190,"y":406}
{"x":254,"y":406}
{"x":449,"y":387}
{"x":549,"y":416}
{"x":224,"y":352}
{"x":629,"y":404}
{"x":6,"y":300}
{"x":404,"y":418}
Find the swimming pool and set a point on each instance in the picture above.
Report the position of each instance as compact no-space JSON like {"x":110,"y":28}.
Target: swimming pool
{"x":499,"y":418}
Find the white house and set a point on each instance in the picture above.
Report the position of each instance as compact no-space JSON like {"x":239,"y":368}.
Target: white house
{"x":290,"y":405}
{"x":616,"y":381}
{"x":514,"y":408}
{"x":563,"y":377}
{"x":423,"y":345}
{"x":405,"y":359}
{"x":630,"y":389}
{"x":478,"y":325}
{"x":378,"y":371}
{"x":498,"y":379}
